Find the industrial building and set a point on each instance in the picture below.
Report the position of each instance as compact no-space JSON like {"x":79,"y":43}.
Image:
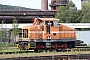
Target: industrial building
{"x":54,"y":4}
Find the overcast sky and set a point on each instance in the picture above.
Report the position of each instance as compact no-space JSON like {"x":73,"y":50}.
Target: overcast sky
{"x":36,"y":4}
{"x":77,"y":3}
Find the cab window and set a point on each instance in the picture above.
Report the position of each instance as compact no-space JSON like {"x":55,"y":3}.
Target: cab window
{"x":25,"y":33}
{"x":50,"y":22}
{"x":55,"y":23}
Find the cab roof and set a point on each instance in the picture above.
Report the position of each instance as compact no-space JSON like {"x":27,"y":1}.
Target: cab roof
{"x":48,"y":19}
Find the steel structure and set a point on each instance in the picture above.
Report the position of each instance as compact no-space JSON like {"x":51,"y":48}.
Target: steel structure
{"x":25,"y":16}
{"x":28,"y":13}
{"x":56,"y":3}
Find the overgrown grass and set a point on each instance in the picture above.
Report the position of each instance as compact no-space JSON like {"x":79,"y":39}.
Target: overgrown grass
{"x":7,"y":45}
{"x":9,"y":50}
{"x":15,"y":50}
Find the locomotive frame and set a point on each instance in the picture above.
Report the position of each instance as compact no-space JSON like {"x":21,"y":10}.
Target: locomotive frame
{"x":43,"y":36}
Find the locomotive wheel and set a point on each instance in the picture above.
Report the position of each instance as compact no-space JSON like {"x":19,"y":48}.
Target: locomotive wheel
{"x":36,"y":50}
{"x":45,"y":50}
{"x":57,"y":50}
{"x":42,"y":50}
{"x":50,"y":50}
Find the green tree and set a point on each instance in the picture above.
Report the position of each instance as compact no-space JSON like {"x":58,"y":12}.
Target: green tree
{"x":3,"y":32}
{"x":86,"y":12}
{"x":61,"y":14}
{"x":69,"y":13}
{"x":15,"y":29}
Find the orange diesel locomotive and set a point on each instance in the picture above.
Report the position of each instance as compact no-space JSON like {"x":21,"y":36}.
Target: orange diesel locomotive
{"x":47,"y":34}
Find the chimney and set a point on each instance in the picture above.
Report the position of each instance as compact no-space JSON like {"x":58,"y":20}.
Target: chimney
{"x":44,"y":4}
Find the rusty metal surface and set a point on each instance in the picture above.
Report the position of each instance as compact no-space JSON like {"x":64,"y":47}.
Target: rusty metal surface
{"x":56,"y":3}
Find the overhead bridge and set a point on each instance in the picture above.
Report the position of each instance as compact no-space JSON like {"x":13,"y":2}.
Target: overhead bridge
{"x":29,"y":13}
{"x":72,"y":25}
{"x":25,"y":16}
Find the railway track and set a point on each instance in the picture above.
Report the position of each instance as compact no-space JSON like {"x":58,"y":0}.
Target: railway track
{"x":81,"y":48}
{"x":52,"y":57}
{"x":77,"y":49}
{"x":65,"y":54}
